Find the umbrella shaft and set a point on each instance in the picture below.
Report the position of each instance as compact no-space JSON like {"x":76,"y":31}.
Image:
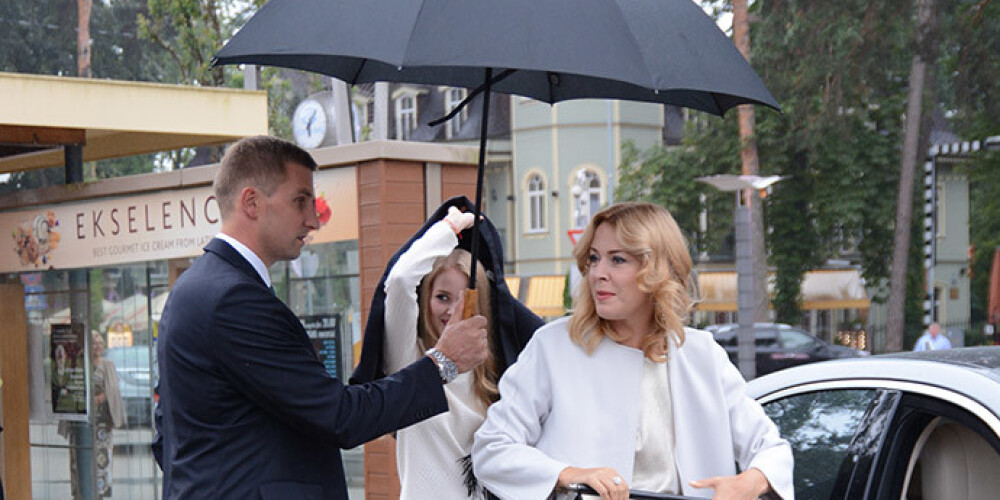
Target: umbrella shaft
{"x":479,"y":176}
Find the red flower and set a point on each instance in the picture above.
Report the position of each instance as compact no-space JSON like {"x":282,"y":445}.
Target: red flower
{"x":323,"y":210}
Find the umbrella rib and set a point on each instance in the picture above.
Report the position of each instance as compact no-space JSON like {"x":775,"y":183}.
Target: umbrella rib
{"x":357,"y":73}
{"x":465,"y":102}
{"x":413,"y":29}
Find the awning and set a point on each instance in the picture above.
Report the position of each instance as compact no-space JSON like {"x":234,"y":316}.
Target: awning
{"x":821,"y":289}
{"x":545,"y":295}
{"x":110,"y":119}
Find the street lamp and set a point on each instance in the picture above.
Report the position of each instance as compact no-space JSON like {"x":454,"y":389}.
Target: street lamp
{"x":744,"y":187}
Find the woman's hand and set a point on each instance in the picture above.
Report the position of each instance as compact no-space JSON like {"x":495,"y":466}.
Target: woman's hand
{"x":604,"y":480}
{"x":748,"y":485}
{"x":458,"y":220}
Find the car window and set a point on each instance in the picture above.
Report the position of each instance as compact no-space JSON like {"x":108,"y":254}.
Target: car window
{"x":725,"y":338}
{"x":820,"y":426}
{"x":794,"y":339}
{"x":766,"y":338}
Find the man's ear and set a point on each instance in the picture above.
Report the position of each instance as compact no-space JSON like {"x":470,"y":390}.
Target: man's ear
{"x":250,"y":202}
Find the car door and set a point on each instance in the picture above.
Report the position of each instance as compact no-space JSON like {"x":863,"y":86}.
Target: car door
{"x":835,"y":434}
{"x":890,"y":441}
{"x":937,"y":449}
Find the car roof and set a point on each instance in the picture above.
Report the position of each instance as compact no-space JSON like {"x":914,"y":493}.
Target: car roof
{"x":725,"y":327}
{"x":973,"y":372}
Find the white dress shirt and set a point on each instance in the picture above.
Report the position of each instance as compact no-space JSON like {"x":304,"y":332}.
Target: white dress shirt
{"x":248,"y":254}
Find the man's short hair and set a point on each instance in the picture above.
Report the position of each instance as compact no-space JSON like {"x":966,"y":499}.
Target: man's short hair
{"x":258,"y":162}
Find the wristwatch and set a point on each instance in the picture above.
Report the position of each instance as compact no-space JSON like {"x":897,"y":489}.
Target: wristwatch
{"x":446,"y":367}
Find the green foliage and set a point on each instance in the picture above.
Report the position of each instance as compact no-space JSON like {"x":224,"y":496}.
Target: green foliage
{"x":970,"y":69}
{"x":190,"y":31}
{"x":839,"y":71}
{"x":38,"y":37}
{"x":984,"y":225}
{"x":667,"y":177}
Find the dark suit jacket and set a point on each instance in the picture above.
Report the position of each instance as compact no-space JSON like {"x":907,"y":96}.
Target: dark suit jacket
{"x":246,"y":409}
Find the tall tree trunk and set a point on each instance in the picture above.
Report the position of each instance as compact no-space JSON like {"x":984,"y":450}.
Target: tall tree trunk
{"x":749,"y":162}
{"x":911,"y":151}
{"x":83,"y":8}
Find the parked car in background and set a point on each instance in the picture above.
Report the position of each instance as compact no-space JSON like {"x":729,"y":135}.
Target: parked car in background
{"x":905,"y":426}
{"x":780,"y":346}
{"x":134,"y":381}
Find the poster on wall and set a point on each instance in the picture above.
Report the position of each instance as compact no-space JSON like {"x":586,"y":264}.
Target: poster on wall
{"x":68,"y":382}
{"x":324,"y":333}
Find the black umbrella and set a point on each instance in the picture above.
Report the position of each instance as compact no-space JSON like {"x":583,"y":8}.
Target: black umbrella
{"x":666,"y":51}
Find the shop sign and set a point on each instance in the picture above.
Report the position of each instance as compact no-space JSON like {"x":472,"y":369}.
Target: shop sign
{"x":153,"y":226}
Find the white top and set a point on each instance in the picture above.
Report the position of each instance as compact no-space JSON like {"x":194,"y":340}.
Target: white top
{"x":927,"y":342}
{"x":561,"y":407}
{"x":654,"y":468}
{"x":428,"y":452}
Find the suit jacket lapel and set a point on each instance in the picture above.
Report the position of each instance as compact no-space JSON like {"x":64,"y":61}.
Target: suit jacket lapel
{"x":229,"y":254}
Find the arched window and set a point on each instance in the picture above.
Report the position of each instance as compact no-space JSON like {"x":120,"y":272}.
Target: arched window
{"x":536,"y":204}
{"x":587,"y":197}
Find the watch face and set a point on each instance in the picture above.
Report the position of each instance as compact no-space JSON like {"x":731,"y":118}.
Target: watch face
{"x":309,"y":124}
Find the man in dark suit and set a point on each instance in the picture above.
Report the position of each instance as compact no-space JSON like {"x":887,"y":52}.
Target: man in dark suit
{"x":246,"y":409}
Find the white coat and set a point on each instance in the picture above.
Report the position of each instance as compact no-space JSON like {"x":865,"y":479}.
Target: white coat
{"x":561,"y":407}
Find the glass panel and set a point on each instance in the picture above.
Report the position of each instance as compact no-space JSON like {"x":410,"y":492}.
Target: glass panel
{"x":820,"y":427}
{"x":797,"y":340}
{"x":89,"y":341}
{"x":765,"y":339}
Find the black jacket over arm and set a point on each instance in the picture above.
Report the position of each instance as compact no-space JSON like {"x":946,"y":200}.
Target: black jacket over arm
{"x":246,"y":409}
{"x":514,"y":323}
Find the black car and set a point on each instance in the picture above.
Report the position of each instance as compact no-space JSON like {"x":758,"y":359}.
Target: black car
{"x":922,"y":425}
{"x":780,"y":346}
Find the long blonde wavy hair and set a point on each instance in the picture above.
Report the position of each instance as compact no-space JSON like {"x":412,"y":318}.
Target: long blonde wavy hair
{"x":484,"y":376}
{"x":649,"y":233}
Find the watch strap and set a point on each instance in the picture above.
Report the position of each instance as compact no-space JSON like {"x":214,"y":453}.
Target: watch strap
{"x":446,"y":367}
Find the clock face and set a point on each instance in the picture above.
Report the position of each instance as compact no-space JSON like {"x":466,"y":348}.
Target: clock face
{"x":309,"y":124}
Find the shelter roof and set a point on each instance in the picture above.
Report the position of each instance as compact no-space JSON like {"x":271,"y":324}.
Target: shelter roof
{"x":41,"y":114}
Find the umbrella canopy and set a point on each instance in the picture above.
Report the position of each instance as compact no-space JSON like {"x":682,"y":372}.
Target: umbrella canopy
{"x":666,"y":51}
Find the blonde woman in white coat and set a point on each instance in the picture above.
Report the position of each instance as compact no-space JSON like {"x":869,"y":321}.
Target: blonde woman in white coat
{"x":621,"y":395}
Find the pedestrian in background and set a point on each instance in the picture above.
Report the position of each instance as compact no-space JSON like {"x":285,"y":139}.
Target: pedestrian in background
{"x":932,"y":340}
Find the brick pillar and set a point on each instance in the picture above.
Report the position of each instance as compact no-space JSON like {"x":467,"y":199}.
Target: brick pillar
{"x":458,"y":180}
{"x":390,"y":209}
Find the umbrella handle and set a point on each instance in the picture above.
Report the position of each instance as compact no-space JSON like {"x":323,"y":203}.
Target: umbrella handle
{"x":471,"y":305}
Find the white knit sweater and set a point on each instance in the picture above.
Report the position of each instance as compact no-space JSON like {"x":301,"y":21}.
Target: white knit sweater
{"x":428,"y":452}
